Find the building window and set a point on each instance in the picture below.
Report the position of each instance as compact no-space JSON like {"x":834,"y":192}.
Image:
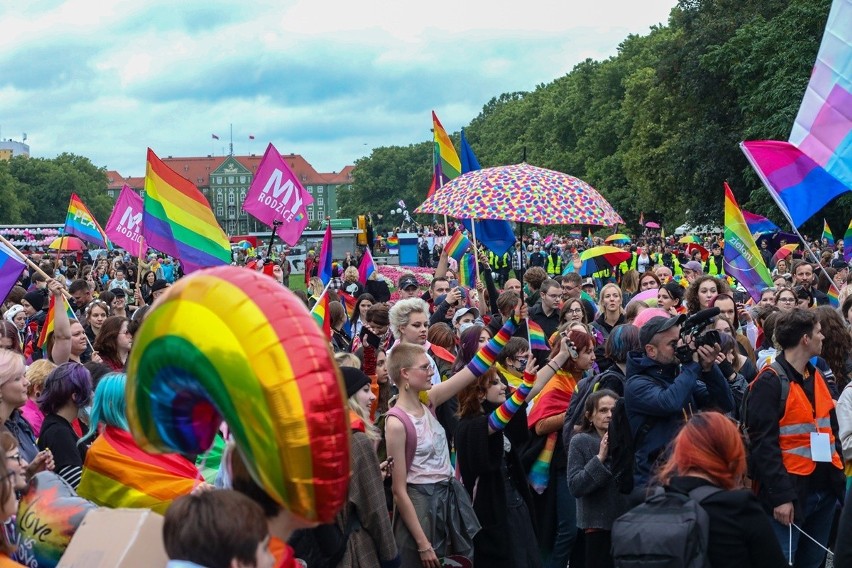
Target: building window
{"x":219,"y":179}
{"x":319,"y":189}
{"x":243,"y":195}
{"x":220,"y":211}
{"x":242,"y":179}
{"x":231,"y":198}
{"x":230,"y":179}
{"x":310,"y":189}
{"x":320,"y":201}
{"x":310,"y":214}
{"x":219,"y":198}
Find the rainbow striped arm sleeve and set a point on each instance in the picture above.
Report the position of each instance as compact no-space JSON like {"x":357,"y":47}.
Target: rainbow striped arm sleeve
{"x":501,"y":416}
{"x":487,"y":354}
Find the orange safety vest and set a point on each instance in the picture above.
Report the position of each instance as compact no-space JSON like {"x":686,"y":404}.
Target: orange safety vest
{"x":800,"y":420}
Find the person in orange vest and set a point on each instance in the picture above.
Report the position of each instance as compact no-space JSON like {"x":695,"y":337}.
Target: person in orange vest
{"x":795,"y":449}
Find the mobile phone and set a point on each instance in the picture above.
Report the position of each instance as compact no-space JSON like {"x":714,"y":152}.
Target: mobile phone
{"x":454,"y":284}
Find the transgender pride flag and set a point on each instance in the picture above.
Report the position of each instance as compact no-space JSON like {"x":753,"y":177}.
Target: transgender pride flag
{"x":815,"y":165}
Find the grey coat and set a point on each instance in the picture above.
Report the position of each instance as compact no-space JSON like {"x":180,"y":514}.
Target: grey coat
{"x":599,"y":502}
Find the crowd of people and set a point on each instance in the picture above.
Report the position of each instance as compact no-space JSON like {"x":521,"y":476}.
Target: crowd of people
{"x":472,"y":440}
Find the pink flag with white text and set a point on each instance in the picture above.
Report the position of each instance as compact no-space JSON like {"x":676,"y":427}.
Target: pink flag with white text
{"x":276,"y":195}
{"x":124,"y":227}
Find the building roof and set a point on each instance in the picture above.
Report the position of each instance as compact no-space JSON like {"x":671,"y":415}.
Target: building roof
{"x":198,"y":169}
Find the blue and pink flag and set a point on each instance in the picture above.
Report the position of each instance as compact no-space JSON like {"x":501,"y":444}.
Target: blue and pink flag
{"x":325,"y":259}
{"x":758,"y":224}
{"x":277,"y":196}
{"x":366,"y":267}
{"x":814,"y":166}
{"x":11,"y":267}
{"x":742,"y":257}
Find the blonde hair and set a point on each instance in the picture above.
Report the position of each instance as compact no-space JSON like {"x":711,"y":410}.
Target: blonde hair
{"x":350,"y":274}
{"x":37,"y":373}
{"x":400,"y":313}
{"x":347,"y":360}
{"x":371,"y":430}
{"x":601,"y":296}
{"x":401,"y":356}
{"x":315,"y":286}
{"x":8,"y":369}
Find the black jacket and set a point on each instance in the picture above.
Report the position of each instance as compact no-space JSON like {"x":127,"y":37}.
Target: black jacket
{"x":741,"y":535}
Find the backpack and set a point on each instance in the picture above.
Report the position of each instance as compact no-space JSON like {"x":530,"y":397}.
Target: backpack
{"x":778,"y":369}
{"x":669,"y":530}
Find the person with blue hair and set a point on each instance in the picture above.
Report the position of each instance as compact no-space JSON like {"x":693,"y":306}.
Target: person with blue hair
{"x":66,"y":393}
{"x":117,"y":472}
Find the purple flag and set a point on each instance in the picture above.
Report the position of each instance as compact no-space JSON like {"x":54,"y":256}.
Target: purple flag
{"x":11,"y":267}
{"x":276,"y":195}
{"x":124,"y":227}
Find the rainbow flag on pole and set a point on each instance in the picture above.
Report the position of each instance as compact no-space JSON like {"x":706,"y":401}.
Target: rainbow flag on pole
{"x":742,"y":258}
{"x":80,"y":221}
{"x":177,"y":219}
{"x":447,"y":162}
{"x":467,"y":271}
{"x":826,"y":233}
{"x":50,"y":319}
{"x":457,"y":245}
{"x":119,"y":474}
{"x":321,"y":314}
{"x":537,"y":339}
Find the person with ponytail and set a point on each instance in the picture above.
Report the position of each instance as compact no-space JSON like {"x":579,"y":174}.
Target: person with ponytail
{"x":709,"y":451}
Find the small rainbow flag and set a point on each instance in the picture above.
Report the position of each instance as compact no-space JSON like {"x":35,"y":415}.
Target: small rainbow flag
{"x":833,"y":296}
{"x":50,"y":319}
{"x":119,"y":474}
{"x":178,"y":221}
{"x":321,"y":315}
{"x":575,"y":234}
{"x":367,"y":267}
{"x":537,"y":339}
{"x":826,"y":233}
{"x":348,"y":301}
{"x":80,"y":221}
{"x":847,"y":243}
{"x":457,"y":245}
{"x":467,"y":271}
{"x":393,"y":242}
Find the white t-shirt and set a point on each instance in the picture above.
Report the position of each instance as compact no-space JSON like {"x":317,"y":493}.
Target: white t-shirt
{"x":431,"y":463}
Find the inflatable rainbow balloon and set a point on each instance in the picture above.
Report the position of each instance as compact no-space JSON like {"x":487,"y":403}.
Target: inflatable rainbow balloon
{"x":234,"y":345}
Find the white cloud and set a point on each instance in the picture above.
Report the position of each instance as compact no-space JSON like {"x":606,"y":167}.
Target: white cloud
{"x":327,"y":79}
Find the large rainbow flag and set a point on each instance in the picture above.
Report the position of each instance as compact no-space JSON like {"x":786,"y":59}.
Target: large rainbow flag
{"x":815,"y":165}
{"x":80,"y":221}
{"x":742,"y":258}
{"x":177,"y":219}
{"x":117,"y":473}
{"x":447,"y":162}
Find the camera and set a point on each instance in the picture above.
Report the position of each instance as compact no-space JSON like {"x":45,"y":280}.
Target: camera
{"x":695,"y":327}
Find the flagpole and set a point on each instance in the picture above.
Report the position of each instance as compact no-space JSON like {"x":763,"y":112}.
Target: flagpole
{"x":475,"y":248}
{"x":139,"y":264}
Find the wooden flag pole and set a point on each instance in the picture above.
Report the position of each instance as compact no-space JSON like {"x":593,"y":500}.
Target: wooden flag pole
{"x":142,"y":249}
{"x":475,"y":248}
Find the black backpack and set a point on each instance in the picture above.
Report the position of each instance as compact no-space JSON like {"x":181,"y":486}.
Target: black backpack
{"x":622,"y":446}
{"x":669,"y":530}
{"x":578,"y":401}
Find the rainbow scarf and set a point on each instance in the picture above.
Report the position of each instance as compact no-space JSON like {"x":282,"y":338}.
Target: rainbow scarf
{"x":539,"y":475}
{"x":117,"y":473}
{"x":553,"y":399}
{"x":178,"y":221}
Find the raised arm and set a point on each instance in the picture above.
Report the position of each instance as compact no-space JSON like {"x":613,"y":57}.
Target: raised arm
{"x":61,"y":351}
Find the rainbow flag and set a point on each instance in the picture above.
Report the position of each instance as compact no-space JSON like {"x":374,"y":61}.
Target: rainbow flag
{"x":537,"y":339}
{"x":758,"y":224}
{"x":177,"y":219}
{"x":814,"y":165}
{"x":348,"y":301}
{"x":826,"y":233}
{"x":119,"y":474}
{"x":833,"y":295}
{"x":325,"y":260}
{"x":847,"y":244}
{"x":393,"y":243}
{"x":742,"y":258}
{"x":11,"y":267}
{"x":50,"y":319}
{"x":575,"y":234}
{"x":447,"y":162}
{"x":467,"y":271}
{"x":80,"y":221}
{"x":321,"y":314}
{"x":457,"y":245}
{"x":366,"y":267}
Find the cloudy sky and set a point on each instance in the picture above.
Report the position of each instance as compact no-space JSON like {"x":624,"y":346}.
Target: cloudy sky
{"x":327,"y":80}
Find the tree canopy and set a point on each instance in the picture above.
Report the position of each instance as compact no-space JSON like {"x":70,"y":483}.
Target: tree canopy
{"x":654,"y":128}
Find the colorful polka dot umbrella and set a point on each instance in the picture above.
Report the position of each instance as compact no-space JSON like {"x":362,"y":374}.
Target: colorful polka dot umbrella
{"x":524,"y":194}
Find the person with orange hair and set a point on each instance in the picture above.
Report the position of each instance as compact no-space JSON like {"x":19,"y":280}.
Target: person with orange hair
{"x":709,"y":451}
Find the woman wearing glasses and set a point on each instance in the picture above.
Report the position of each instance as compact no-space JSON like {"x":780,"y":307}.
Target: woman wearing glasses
{"x":114,"y":342}
{"x":785,"y":299}
{"x":431,"y":503}
{"x":572,"y":312}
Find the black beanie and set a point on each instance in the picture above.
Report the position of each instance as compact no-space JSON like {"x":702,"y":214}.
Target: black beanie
{"x":355,"y":380}
{"x":36,"y":299}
